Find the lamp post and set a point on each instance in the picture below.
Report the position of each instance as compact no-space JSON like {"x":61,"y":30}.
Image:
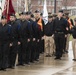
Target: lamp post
{"x":0,"y":9}
{"x":54,"y":6}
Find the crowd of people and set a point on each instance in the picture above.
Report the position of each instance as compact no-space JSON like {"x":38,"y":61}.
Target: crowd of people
{"x":28,"y":37}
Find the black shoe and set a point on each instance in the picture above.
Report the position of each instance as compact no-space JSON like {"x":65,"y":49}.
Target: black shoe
{"x":31,"y":61}
{"x":37,"y":60}
{"x":47,"y":56}
{"x":66,"y":51}
{"x":57,"y":58}
{"x":20,"y":65}
{"x":74,"y":59}
{"x":27,"y":63}
{"x":50,"y":55}
{"x":2,"y":69}
{"x":11,"y":67}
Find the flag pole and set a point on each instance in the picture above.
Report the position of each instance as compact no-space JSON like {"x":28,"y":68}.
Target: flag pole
{"x":26,"y":5}
{"x":45,"y":13}
{"x":7,"y":8}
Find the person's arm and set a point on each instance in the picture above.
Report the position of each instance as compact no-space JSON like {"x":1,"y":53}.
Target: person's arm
{"x":72,"y":22}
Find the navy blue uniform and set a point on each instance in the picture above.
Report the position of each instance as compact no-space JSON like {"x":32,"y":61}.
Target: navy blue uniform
{"x":5,"y":35}
{"x":59,"y":28}
{"x":14,"y":40}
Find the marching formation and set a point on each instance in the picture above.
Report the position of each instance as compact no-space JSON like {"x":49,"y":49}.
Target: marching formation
{"x":28,"y":37}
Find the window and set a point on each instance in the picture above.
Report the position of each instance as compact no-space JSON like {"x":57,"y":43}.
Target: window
{"x":59,"y":3}
{"x":39,"y":1}
{"x":49,"y":9}
{"x":52,"y":3}
{"x":49,"y":2}
{"x":52,"y":10}
{"x":42,"y":2}
{"x":38,"y":9}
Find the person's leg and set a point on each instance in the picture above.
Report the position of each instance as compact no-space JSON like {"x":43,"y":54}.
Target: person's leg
{"x":73,"y":46}
{"x":57,"y":46}
{"x":61,"y":44}
{"x":67,"y":42}
{"x":28,"y":53}
{"x":75,"y":50}
{"x":46,"y":46}
{"x":24,"y":48}
{"x":10,"y":57}
{"x":19,"y":55}
{"x":51,"y":41}
{"x":0,"y":56}
{"x":5,"y":56}
{"x":37,"y":51}
{"x":14,"y":53}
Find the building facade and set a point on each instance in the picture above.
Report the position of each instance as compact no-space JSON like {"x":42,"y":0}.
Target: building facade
{"x":36,"y":5}
{"x":33,"y":5}
{"x":69,"y":5}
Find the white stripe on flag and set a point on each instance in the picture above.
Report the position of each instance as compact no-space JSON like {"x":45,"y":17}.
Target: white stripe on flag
{"x":45,"y":13}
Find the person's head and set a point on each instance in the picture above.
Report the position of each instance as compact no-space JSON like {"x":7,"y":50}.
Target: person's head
{"x":32,"y":17}
{"x":3,"y":20}
{"x":23,"y":16}
{"x":37,"y":14}
{"x":50,"y":18}
{"x":20,"y":15}
{"x":28,"y":15}
{"x":67,"y":15}
{"x":60,"y":13}
{"x":12,"y":17}
{"x":54,"y":16}
{"x":41,"y":14}
{"x":75,"y":21}
{"x":64,"y":16}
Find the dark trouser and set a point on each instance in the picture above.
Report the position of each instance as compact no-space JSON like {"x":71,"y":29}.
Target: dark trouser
{"x":42,"y":46}
{"x":20,"y":61}
{"x":28,"y":52}
{"x":64,"y":45}
{"x":22,"y":51}
{"x":59,"y":42}
{"x":13,"y":53}
{"x":38,"y":50}
{"x":4,"y":49}
{"x":33,"y":51}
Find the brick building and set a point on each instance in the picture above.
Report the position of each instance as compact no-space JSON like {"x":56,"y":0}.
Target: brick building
{"x":38,"y":4}
{"x":70,"y":5}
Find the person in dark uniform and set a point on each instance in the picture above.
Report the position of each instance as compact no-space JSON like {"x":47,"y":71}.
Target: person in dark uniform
{"x":24,"y":34}
{"x":38,"y":20}
{"x":34,"y":39}
{"x":15,"y":41}
{"x":5,"y":31}
{"x":60,"y":30}
{"x":20,"y":58}
{"x":70,"y":25}
{"x":40,"y":43}
{"x":30,"y":37}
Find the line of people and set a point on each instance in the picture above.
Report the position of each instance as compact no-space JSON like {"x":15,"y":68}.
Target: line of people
{"x":57,"y":34}
{"x":23,"y":36}
{"x":28,"y":36}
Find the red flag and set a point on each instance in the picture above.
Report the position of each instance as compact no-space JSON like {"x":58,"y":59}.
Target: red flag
{"x":8,"y":9}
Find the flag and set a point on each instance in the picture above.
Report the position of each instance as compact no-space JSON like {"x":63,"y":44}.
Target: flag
{"x":45,"y":13}
{"x":26,"y":5}
{"x":8,"y":9}
{"x":2,"y":5}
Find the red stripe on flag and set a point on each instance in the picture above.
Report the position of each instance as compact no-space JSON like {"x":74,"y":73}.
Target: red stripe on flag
{"x":8,"y":9}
